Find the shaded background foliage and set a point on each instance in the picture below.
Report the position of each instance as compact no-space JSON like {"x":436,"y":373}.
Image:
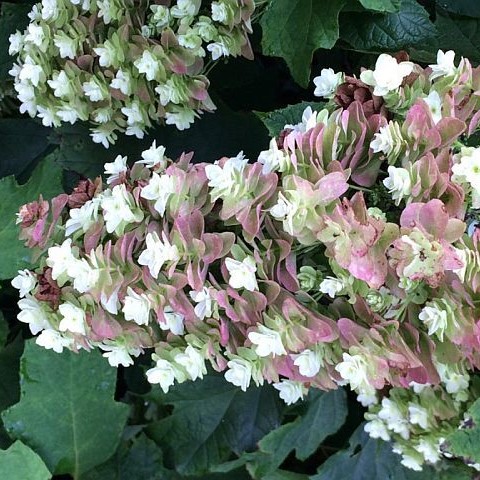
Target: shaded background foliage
{"x":72,"y":416}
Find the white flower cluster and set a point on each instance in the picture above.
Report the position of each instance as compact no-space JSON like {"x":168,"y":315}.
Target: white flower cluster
{"x":117,"y":73}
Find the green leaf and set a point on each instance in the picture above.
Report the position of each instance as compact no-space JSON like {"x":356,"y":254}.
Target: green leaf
{"x":66,"y":411}
{"x":466,"y":442}
{"x":294,"y":29}
{"x":9,"y":381}
{"x":23,"y":141}
{"x":275,"y":121}
{"x":12,"y":17}
{"x":21,"y":463}
{"x":370,"y":459}
{"x":212,"y":418}
{"x":469,"y":8}
{"x":45,"y":180}
{"x":408,"y":27}
{"x":139,"y":459}
{"x":381,"y":5}
{"x":461,"y":34}
{"x":326,"y":413}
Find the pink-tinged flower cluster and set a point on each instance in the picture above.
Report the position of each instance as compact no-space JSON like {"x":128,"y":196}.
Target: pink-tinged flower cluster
{"x":341,"y":256}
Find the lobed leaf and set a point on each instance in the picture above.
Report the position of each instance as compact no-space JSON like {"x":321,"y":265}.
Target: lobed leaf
{"x":408,"y":27}
{"x":66,"y":412}
{"x":294,"y":29}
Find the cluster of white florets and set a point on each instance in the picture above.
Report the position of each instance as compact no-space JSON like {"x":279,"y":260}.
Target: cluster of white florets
{"x":97,"y":61}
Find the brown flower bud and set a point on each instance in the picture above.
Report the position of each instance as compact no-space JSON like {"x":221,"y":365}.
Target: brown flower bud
{"x":31,"y":212}
{"x":82,"y":193}
{"x":48,"y":289}
{"x":353,"y":90}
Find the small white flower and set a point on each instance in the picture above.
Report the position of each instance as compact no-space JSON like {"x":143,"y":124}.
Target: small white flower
{"x":466,"y":168}
{"x":116,"y":169}
{"x":283,"y":209}
{"x":117,"y":209}
{"x":154,"y":156}
{"x":119,"y":354}
{"x":136,"y":130}
{"x":435,"y":319}
{"x":367,"y":396}
{"x":239,"y":373}
{"x":110,"y":303}
{"x":35,"y":34}
{"x":30,"y":71}
{"x":219,"y":12}
{"x":60,"y":84}
{"x":53,"y":340}
{"x":388,"y":74}
{"x":84,"y":276}
{"x":242,"y":274}
{"x":174,"y":321}
{"x":454,"y":381}
{"x":182,"y":118}
{"x":224,"y":179}
{"x":148,"y":65}
{"x":48,"y":116}
{"x":82,"y":218}
{"x":383,"y":141}
{"x":429,"y":449}
{"x":411,"y":462}
{"x":73,"y":319}
{"x":107,"y":54}
{"x":49,"y":9}
{"x":67,"y":46}
{"x":353,"y":369}
{"x":377,"y":429}
{"x":193,"y":362}
{"x":102,"y":115}
{"x":445,"y":65}
{"x":122,"y":82}
{"x":308,"y":363}
{"x":310,"y":118}
{"x":290,"y":391}
{"x":331,"y":286}
{"x":394,"y":418}
{"x":218,"y":50}
{"x":134,"y":113}
{"x":398,"y":183}
{"x":158,"y":253}
{"x":24,"y":282}
{"x":60,"y":258}
{"x":31,"y":312}
{"x":267,"y":341}
{"x":136,"y":307}
{"x":418,"y":387}
{"x":326,"y":84}
{"x":163,"y":373}
{"x":159,"y":189}
{"x":273,"y":159}
{"x":185,"y":8}
{"x":16,"y":43}
{"x":204,"y":303}
{"x":94,"y":90}
{"x":418,"y":415}
{"x":434,"y":103}
{"x":68,"y":114}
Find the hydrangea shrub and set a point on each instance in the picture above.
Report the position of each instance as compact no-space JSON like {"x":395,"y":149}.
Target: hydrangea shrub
{"x":345,"y":254}
{"x":124,"y":64}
